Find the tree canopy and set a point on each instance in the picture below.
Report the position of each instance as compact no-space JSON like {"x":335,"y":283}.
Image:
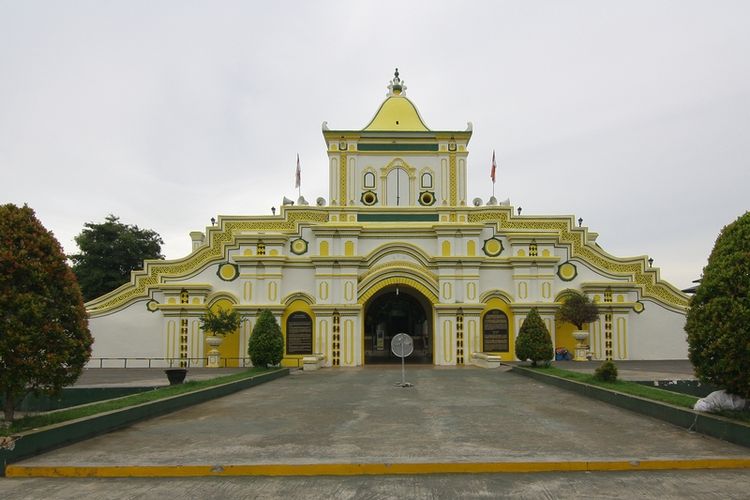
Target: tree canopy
{"x":44,"y":335}
{"x":109,"y":252}
{"x":577,"y":309}
{"x":718,"y":321}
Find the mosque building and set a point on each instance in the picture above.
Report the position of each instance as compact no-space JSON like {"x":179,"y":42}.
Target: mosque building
{"x":396,"y":248}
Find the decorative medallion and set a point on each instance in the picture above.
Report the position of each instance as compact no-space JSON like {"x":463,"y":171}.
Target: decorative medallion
{"x":427,"y":198}
{"x":298,"y":246}
{"x":369,"y":198}
{"x":492,"y":247}
{"x":639,"y":307}
{"x":152,"y":305}
{"x":228,"y":271}
{"x":567,"y":271}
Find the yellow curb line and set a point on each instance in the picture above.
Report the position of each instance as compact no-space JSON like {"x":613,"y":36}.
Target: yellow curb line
{"x":368,"y":468}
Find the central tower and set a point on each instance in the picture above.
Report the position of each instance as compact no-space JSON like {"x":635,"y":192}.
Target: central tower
{"x":396,"y":160}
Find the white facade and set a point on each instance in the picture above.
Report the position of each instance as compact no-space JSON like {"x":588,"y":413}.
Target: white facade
{"x":398,"y":247}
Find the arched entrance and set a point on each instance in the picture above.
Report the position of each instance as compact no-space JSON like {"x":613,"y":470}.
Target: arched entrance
{"x":392,"y":310}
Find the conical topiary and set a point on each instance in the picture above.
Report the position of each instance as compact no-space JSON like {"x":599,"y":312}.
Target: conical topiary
{"x":266,"y":345}
{"x":533,"y":340}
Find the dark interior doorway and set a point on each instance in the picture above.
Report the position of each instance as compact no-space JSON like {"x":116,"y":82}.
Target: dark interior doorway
{"x":393,"y":310}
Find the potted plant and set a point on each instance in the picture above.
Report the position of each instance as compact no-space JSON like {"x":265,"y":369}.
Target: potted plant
{"x":216,"y":325}
{"x":578,"y":309}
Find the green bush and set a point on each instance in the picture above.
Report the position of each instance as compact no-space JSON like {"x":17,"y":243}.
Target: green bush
{"x":534,"y":341}
{"x":607,"y":372}
{"x":266,"y":345}
{"x":718,"y":322}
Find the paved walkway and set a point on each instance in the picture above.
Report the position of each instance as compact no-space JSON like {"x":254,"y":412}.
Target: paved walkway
{"x":359,"y":416}
{"x":350,"y":415}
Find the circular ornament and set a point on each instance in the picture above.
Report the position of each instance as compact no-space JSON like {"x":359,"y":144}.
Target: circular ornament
{"x":492,"y":247}
{"x":567,"y":271}
{"x":639,"y":307}
{"x":152,"y":306}
{"x":228,"y":271}
{"x":427,"y":198}
{"x":298,"y":246}
{"x":369,"y":198}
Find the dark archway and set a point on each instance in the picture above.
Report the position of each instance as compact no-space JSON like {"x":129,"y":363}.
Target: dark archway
{"x":397,"y":309}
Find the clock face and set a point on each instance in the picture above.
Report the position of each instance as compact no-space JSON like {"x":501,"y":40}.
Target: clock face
{"x":298,"y":246}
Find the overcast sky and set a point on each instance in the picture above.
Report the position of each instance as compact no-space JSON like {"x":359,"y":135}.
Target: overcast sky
{"x":634,"y":115}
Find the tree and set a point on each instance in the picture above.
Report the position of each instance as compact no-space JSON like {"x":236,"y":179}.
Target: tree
{"x":220,"y":323}
{"x":534,"y":341}
{"x":577,"y":309}
{"x":718,"y":321}
{"x":44,"y":335}
{"x":266,"y":344}
{"x":109,"y":252}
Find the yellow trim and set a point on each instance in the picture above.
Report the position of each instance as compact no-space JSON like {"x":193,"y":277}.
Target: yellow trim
{"x":453,"y":179}
{"x":636,"y":268}
{"x":622,"y":337}
{"x":373,"y":469}
{"x":445,"y":249}
{"x":296,"y":305}
{"x":348,"y":339}
{"x":448,"y":341}
{"x":497,"y":302}
{"x":343,"y":166}
{"x":218,"y":239}
{"x":431,"y":295}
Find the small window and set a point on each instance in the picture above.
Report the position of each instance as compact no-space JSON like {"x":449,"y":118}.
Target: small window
{"x":369,"y":180}
{"x":426,"y":180}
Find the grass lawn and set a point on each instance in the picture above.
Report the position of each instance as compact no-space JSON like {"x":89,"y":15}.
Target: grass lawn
{"x":640,"y":390}
{"x":632,"y":388}
{"x":54,"y":417}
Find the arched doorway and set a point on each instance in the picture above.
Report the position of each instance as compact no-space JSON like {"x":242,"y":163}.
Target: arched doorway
{"x":397,"y":309}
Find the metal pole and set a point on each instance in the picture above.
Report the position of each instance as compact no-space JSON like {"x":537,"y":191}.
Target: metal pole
{"x":403,"y":371}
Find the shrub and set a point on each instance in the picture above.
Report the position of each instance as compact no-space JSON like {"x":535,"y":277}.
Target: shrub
{"x":220,"y":323}
{"x":266,"y":345}
{"x":44,"y":335}
{"x":577,"y":309}
{"x":606,"y":372}
{"x":534,"y":341}
{"x":718,"y":322}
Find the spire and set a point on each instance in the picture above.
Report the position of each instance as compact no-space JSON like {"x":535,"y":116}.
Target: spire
{"x":396,"y":86}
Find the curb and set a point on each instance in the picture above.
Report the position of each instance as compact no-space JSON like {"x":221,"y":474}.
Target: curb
{"x":703,"y":423}
{"x":370,"y":469}
{"x":34,"y":442}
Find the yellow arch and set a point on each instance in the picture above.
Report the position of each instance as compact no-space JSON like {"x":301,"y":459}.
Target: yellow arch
{"x":495,"y":294}
{"x":304,"y":297}
{"x":398,"y":280}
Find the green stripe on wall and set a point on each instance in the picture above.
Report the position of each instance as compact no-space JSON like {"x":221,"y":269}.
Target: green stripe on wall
{"x":396,"y":217}
{"x":396,"y":147}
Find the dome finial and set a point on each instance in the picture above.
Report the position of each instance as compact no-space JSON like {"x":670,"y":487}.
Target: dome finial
{"x":396,"y":86}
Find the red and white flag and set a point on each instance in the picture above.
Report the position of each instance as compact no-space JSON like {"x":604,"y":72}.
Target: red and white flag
{"x":494,"y":167}
{"x":298,"y":174}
